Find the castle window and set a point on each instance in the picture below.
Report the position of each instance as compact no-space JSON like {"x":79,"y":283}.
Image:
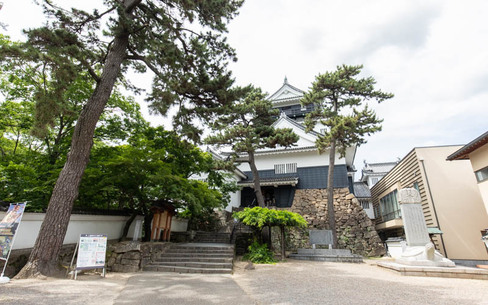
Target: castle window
{"x":285,"y":168}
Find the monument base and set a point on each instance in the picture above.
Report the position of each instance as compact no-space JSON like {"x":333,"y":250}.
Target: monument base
{"x":424,"y":256}
{"x":450,"y":272}
{"x":327,"y":255}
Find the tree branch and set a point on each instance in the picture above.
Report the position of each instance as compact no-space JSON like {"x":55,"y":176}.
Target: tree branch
{"x":135,"y":56}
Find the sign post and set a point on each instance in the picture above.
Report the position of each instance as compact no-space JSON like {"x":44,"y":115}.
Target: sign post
{"x":92,"y":249}
{"x":8,"y":227}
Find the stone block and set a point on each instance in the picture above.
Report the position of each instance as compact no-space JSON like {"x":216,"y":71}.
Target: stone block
{"x":130,"y":262}
{"x":111,"y":261}
{"x":127,"y":246}
{"x":132,"y":255}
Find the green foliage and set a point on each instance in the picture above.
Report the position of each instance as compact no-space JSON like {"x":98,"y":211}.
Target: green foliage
{"x":333,"y":94}
{"x":247,"y":124}
{"x":156,"y":165}
{"x":182,"y":43}
{"x":260,"y":217}
{"x":260,"y":254}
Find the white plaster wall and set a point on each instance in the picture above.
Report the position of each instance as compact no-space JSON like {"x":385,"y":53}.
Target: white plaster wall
{"x":303,"y":159}
{"x":179,"y":225}
{"x":235,"y":201}
{"x":370,"y":211}
{"x":112,"y":226}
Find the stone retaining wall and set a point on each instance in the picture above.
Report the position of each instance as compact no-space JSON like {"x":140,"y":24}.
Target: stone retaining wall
{"x":355,"y":231}
{"x":18,"y":258}
{"x":131,"y":256}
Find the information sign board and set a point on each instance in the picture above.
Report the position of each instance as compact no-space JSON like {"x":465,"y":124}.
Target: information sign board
{"x":92,"y":249}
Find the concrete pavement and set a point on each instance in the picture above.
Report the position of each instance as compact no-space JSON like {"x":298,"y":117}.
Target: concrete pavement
{"x":179,"y":289}
{"x":292,"y":282}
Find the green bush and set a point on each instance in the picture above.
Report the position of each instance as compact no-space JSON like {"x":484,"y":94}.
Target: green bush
{"x":259,"y":254}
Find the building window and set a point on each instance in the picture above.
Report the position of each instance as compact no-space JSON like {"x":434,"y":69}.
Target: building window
{"x":364,"y":204}
{"x":374,"y":181}
{"x":482,"y":174}
{"x":389,"y":208}
{"x":285,"y":168}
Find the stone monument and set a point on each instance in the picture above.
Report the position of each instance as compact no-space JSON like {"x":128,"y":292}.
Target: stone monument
{"x":324,"y":238}
{"x":419,"y":250}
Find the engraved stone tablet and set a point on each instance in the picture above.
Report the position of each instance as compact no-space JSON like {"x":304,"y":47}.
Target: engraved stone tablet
{"x":413,"y":217}
{"x":409,"y":195}
{"x":320,"y":237}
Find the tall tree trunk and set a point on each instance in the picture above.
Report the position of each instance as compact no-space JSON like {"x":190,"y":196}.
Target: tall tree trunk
{"x":257,"y":184}
{"x":147,"y":226}
{"x":44,"y":256}
{"x":330,"y":194}
{"x":127,"y":226}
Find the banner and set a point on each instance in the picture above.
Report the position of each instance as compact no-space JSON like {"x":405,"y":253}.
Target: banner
{"x":8,"y":227}
{"x":91,"y":251}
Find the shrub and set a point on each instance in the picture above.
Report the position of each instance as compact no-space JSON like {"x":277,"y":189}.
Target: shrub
{"x":260,"y":254}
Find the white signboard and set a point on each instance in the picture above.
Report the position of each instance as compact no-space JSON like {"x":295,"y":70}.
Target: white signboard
{"x":91,"y":251}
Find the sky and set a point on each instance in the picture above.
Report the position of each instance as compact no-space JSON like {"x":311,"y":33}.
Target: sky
{"x":433,"y":55}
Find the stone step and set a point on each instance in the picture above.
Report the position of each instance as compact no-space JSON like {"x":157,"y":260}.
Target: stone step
{"x":328,"y":258}
{"x":202,"y":255}
{"x":327,"y":252}
{"x":185,"y":269}
{"x":200,"y":248}
{"x":195,"y":259}
{"x":178,"y":252}
{"x":211,"y":234}
{"x":212,"y":237}
{"x":205,"y":265}
{"x":211,"y":240}
{"x":203,"y":249}
{"x":189,"y":250}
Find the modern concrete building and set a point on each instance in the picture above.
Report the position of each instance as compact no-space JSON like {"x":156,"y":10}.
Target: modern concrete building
{"x":452,"y":205}
{"x":476,"y":152}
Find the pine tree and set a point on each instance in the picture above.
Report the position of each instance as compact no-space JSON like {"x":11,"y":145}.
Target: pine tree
{"x":181,"y":42}
{"x":246,"y":126}
{"x":338,"y":98}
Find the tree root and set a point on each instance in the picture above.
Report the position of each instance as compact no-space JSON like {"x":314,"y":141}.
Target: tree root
{"x":41,"y":270}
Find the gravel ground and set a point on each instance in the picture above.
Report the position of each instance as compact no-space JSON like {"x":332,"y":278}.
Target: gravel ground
{"x":304,"y":282}
{"x":291,"y":282}
{"x":87,"y":289}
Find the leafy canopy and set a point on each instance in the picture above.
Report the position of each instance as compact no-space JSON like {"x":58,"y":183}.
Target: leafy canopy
{"x":337,"y":98}
{"x":262,"y":217}
{"x":247,"y":124}
{"x":182,"y":43}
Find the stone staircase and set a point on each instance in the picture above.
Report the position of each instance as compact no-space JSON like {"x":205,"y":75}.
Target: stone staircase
{"x":211,"y":237}
{"x":195,"y":258}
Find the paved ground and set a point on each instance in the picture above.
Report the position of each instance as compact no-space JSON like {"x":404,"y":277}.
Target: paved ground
{"x":292,"y":282}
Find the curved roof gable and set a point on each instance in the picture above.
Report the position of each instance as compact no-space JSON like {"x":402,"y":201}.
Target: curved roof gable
{"x":287,"y":92}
